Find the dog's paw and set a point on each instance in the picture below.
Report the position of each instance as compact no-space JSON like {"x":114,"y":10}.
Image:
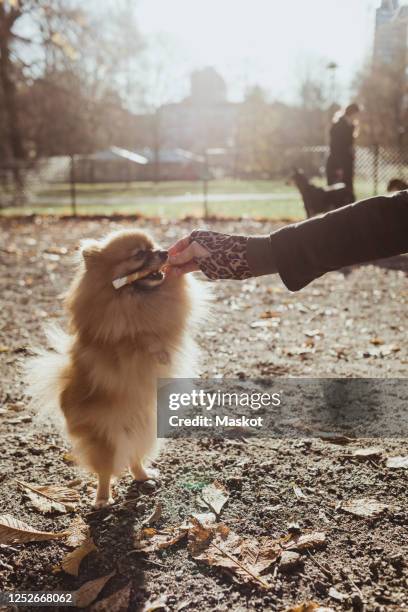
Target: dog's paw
{"x":102,"y":503}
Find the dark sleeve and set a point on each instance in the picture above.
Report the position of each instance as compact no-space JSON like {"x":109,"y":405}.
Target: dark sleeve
{"x":364,"y":231}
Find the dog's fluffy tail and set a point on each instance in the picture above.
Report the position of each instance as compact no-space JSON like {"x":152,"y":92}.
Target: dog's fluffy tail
{"x":45,"y":372}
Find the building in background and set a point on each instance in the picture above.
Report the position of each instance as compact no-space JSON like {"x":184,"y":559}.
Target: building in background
{"x":205,"y":119}
{"x":391,"y":34}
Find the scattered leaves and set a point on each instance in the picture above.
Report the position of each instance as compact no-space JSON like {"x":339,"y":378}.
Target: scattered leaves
{"x":205,"y":518}
{"x":289,"y":559}
{"x":117,"y":602}
{"x":90,"y":590}
{"x":397,"y":463}
{"x":71,"y":562}
{"x":373,"y":452}
{"x":215,"y":495}
{"x":154,"y":517}
{"x":271,"y":314}
{"x":306,"y":541}
{"x":149,"y":539}
{"x":365,"y":507}
{"x":244,"y":559}
{"x":312,"y":333}
{"x":299,"y":493}
{"x":334,"y":438}
{"x":78,"y":532}
{"x":14,"y":531}
{"x":157,"y":604}
{"x":51,"y":498}
{"x":335,"y":594}
{"x":309,"y":606}
{"x":68,"y":458}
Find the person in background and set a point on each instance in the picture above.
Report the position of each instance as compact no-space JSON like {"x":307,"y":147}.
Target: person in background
{"x":340,"y":163}
{"x":300,"y":252}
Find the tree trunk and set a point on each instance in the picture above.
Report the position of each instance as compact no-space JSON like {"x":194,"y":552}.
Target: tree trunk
{"x":15,"y":140}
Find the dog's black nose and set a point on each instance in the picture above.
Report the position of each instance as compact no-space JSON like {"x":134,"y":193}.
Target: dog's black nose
{"x":163,"y":255}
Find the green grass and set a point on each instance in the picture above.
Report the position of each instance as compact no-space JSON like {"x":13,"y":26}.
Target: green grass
{"x":148,"y":199}
{"x":167,"y":188}
{"x":273,"y":210}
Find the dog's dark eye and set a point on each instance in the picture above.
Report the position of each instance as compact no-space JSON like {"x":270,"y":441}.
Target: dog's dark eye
{"x":140,"y":254}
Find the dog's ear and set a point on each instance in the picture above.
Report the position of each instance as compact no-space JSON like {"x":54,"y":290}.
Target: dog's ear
{"x":89,"y":250}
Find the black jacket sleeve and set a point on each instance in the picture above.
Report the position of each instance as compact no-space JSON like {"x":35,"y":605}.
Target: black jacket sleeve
{"x":364,"y":231}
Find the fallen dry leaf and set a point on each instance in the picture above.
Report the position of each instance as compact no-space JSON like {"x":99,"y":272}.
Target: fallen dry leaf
{"x":154,"y":517}
{"x":397,"y":463}
{"x":77,"y":482}
{"x":288,"y":560}
{"x":78,"y":532}
{"x":14,"y":531}
{"x":215,"y":495}
{"x":271,"y":314}
{"x":68,"y":458}
{"x":373,"y":452}
{"x":54,"y":250}
{"x":149,"y":539}
{"x":309,"y":606}
{"x":205,"y":518}
{"x":117,"y":602}
{"x":305,"y":541}
{"x":244,"y":559}
{"x":71,"y":562}
{"x":90,"y":590}
{"x":312,"y":333}
{"x":334,"y":438}
{"x":299,"y":493}
{"x":51,"y":498}
{"x":337,"y":595}
{"x":157,"y":604}
{"x":262,"y":323}
{"x":365,"y":507}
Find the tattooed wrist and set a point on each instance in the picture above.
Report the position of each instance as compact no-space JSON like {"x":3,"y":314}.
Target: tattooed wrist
{"x":227,"y":255}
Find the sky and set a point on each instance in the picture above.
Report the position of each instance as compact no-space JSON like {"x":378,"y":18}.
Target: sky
{"x":273,"y":43}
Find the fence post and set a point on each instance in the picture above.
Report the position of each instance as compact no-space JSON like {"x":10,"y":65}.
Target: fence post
{"x":206,"y":176}
{"x":376,"y":160}
{"x":73,"y":186}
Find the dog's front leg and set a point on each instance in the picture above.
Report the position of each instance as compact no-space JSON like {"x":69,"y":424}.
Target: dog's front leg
{"x":103,"y":492}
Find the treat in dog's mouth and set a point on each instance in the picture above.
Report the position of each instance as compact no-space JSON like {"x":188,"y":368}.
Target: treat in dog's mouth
{"x":138,"y":277}
{"x":153,"y":276}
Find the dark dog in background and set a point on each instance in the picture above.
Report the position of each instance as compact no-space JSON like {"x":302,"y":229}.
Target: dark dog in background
{"x":319,"y":200}
{"x":396,"y":184}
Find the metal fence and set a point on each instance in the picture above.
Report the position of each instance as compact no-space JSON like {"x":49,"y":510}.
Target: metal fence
{"x":54,"y":181}
{"x":374,"y":165}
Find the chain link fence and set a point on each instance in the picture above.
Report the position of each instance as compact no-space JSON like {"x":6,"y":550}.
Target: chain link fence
{"x":62,"y":181}
{"x":374,"y":165}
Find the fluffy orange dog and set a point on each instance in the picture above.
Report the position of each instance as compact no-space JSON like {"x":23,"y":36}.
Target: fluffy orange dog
{"x":103,"y":374}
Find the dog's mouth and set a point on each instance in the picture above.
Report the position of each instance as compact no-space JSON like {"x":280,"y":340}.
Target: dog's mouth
{"x":148,"y":276}
{"x":151,"y":280}
{"x":158,"y":275}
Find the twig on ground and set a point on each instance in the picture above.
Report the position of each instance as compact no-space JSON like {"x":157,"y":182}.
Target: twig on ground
{"x":325,"y":571}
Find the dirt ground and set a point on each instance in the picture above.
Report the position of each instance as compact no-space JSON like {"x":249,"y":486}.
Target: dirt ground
{"x":350,"y":324}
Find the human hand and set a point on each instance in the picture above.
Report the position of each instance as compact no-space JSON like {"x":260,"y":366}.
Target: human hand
{"x":218,"y":256}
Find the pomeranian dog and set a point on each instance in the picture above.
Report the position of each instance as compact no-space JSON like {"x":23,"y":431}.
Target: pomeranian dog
{"x":103,"y":374}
